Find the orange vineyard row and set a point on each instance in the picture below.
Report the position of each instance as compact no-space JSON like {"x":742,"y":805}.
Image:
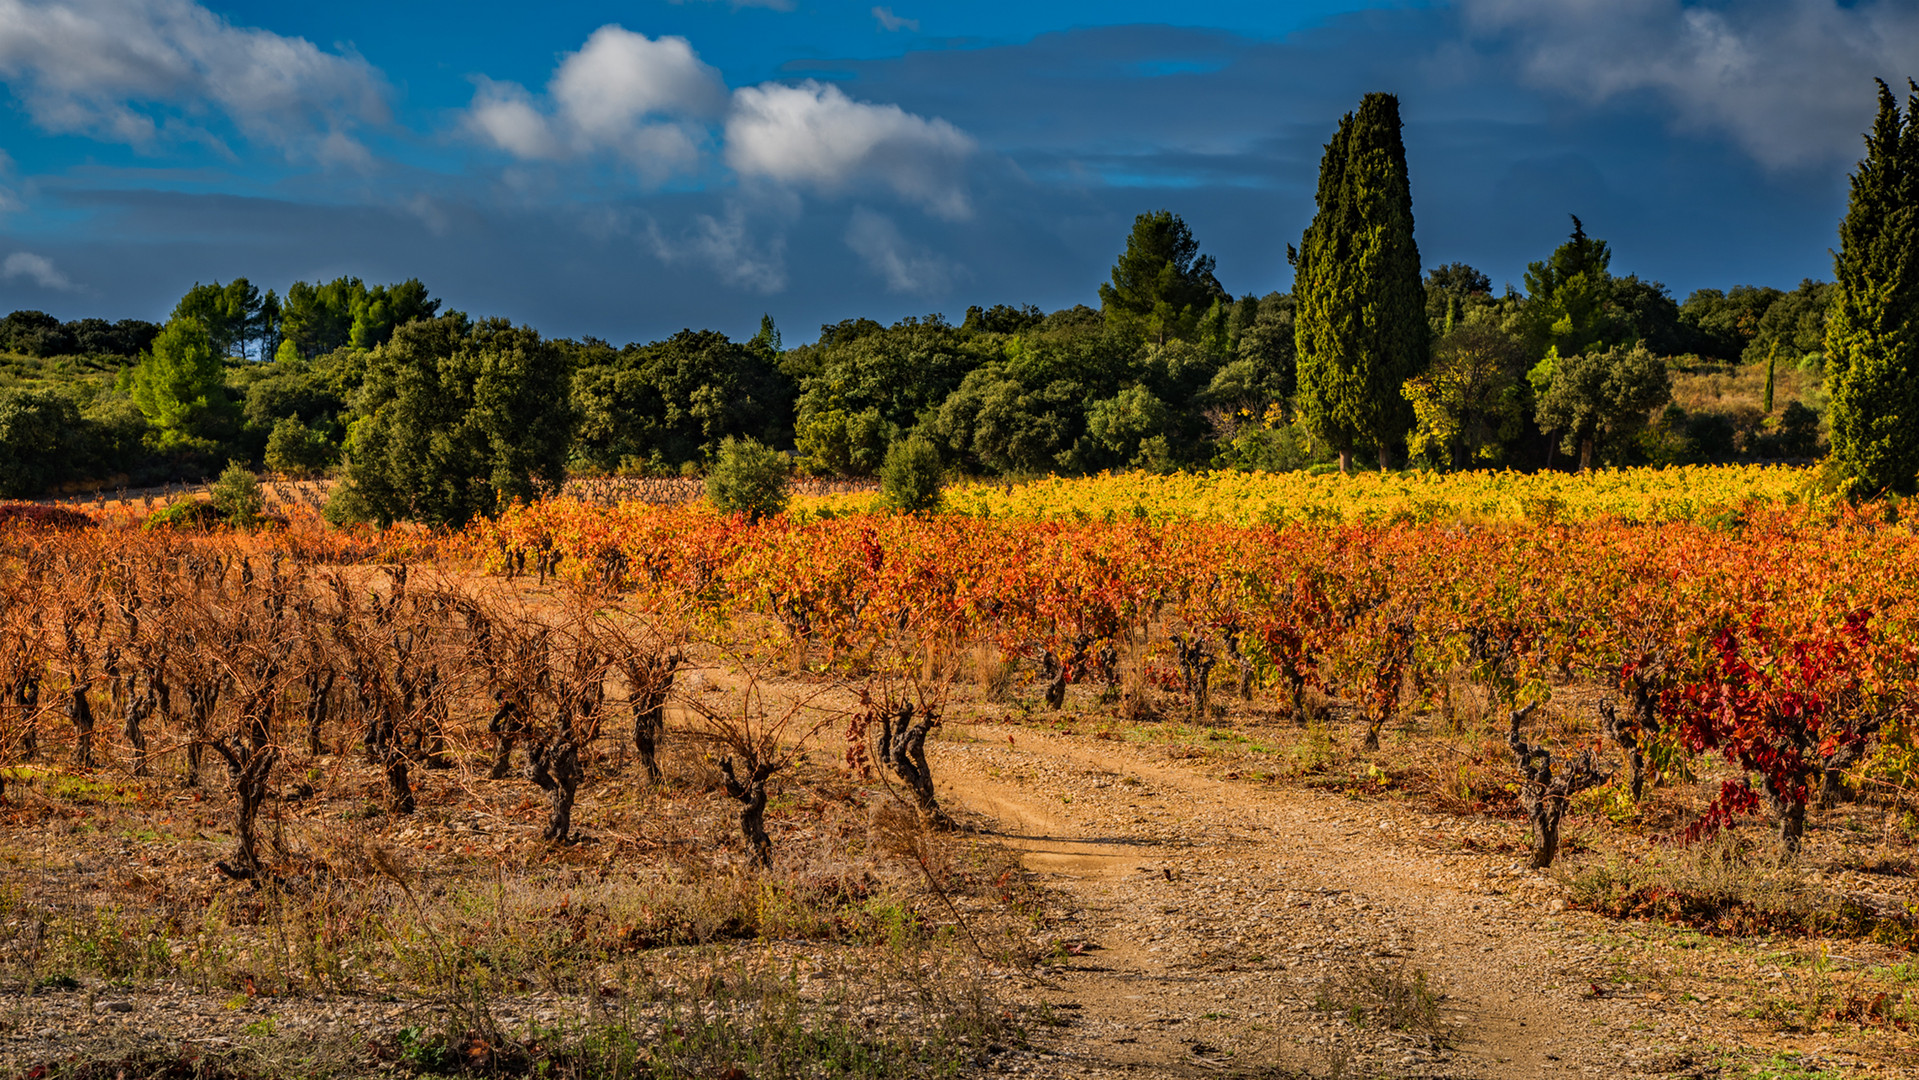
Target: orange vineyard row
{"x":1785,"y":639}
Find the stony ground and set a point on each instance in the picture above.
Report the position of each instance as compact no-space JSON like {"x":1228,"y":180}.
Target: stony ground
{"x":1223,"y":925}
{"x":1196,"y":923}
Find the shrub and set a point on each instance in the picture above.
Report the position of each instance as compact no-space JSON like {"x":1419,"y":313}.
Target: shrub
{"x":910,"y":477}
{"x":188,"y":513}
{"x":748,"y":478}
{"x":236,"y":496}
{"x":296,"y":449}
{"x":346,"y":506}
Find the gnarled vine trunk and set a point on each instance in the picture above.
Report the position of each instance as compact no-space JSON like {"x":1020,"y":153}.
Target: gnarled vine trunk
{"x":903,"y":749}
{"x":750,"y":793}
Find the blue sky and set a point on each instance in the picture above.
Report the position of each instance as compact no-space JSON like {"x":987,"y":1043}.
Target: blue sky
{"x":623,"y":170}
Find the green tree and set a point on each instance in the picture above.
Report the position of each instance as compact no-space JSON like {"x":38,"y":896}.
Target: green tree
{"x":834,"y":442}
{"x":1132,"y":425}
{"x":1872,"y":331}
{"x":294,"y":449}
{"x":862,"y":385}
{"x":1162,"y":286}
{"x":1569,"y":297}
{"x":228,"y":312}
{"x":457,"y":418}
{"x":1002,"y":319}
{"x":181,"y":387}
{"x":1264,"y":366}
{"x":1647,"y":315}
{"x":319,"y":318}
{"x":1602,"y":396}
{"x":1794,"y":326}
{"x":1471,"y":400}
{"x":1361,"y":327}
{"x":35,"y":333}
{"x":1024,"y":410}
{"x":670,"y":403}
{"x":40,"y":430}
{"x":266,"y":325}
{"x":768,"y":337}
{"x":1453,"y":290}
{"x":1009,"y":418}
{"x":748,"y":477}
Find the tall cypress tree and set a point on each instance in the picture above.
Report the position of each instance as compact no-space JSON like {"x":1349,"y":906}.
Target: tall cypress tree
{"x":1361,"y":327}
{"x":1872,"y":329}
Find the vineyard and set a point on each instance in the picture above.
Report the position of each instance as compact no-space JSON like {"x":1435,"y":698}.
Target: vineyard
{"x":1783,"y":637}
{"x":683,"y":727}
{"x":1693,"y":493}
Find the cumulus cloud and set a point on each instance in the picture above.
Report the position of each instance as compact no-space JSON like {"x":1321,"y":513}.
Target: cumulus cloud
{"x":905,"y":267}
{"x":37,"y":269}
{"x":726,"y":245}
{"x":890,"y":22}
{"x":643,"y":100}
{"x":813,"y":134}
{"x":135,"y":71}
{"x":1788,"y":80}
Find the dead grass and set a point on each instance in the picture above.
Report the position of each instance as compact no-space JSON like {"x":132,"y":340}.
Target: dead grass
{"x":1388,"y":997}
{"x":1728,"y":887}
{"x":105,"y":881}
{"x":1740,"y":389}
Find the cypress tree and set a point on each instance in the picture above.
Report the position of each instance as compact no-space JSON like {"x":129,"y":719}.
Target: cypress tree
{"x":1361,"y":327}
{"x":1772,"y":366}
{"x":1872,"y":329}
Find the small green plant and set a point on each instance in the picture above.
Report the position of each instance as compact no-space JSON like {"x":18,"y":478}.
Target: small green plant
{"x":421,"y":1051}
{"x":910,"y":477}
{"x":237,"y":497}
{"x":748,"y":477}
{"x":1391,"y":998}
{"x":185,"y":513}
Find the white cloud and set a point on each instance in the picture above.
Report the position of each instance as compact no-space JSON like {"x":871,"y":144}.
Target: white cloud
{"x":814,"y":134}
{"x":619,"y":78}
{"x":726,"y":245}
{"x":504,"y":115}
{"x":889,"y":21}
{"x":37,"y":269}
{"x":1788,"y":80}
{"x":874,"y":238}
{"x":640,"y":99}
{"x":133,"y":71}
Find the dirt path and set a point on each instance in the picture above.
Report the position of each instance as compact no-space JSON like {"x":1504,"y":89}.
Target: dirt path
{"x":1219,"y":919}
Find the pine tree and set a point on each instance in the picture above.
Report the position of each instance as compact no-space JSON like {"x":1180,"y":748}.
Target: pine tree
{"x":1872,"y":330}
{"x":1569,"y":297}
{"x":1162,"y":286}
{"x":1361,"y":327}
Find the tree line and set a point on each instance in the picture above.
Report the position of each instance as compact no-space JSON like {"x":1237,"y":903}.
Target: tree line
{"x":440,"y":415}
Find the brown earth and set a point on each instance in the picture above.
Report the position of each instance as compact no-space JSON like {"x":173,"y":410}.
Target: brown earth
{"x":1199,"y":922}
{"x":1222,"y":926}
